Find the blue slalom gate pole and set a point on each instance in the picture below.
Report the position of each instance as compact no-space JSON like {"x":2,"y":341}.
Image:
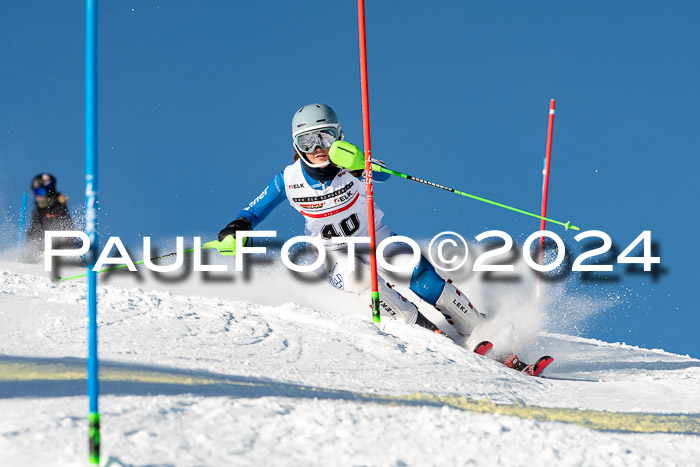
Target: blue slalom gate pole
{"x":91,"y":222}
{"x":22,"y":216}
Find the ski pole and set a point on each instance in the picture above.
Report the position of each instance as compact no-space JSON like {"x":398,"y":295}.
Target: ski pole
{"x":345,"y":155}
{"x":227,"y":247}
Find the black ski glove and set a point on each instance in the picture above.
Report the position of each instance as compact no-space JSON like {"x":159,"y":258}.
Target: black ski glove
{"x":242,"y":223}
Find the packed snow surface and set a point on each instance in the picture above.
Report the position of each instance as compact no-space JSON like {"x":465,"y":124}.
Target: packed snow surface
{"x":268,"y":369}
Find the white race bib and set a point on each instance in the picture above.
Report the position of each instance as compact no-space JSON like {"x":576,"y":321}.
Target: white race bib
{"x":339,"y":210}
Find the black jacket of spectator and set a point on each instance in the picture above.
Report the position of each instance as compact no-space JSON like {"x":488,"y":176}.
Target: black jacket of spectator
{"x":49,"y":214}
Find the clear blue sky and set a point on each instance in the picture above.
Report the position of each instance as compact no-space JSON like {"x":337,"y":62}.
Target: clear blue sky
{"x":196,"y":100}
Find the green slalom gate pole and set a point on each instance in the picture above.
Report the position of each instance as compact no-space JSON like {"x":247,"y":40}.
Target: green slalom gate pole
{"x":347,"y":155}
{"x":227,"y":247}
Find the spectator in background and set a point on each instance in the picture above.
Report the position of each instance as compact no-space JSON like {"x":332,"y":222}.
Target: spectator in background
{"x":50,"y":213}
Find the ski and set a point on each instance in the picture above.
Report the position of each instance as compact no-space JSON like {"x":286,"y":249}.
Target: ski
{"x":539,"y":365}
{"x":512,"y":361}
{"x":482,"y":348}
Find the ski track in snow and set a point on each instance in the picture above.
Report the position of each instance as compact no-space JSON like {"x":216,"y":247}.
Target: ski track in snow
{"x":296,"y":336}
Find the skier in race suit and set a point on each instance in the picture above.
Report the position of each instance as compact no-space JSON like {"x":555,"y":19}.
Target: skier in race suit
{"x":334,"y":204}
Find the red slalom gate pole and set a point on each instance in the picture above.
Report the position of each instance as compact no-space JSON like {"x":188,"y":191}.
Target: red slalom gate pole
{"x":545,"y":172}
{"x":368,"y":161}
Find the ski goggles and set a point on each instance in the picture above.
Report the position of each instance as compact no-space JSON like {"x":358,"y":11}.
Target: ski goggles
{"x":41,"y":191}
{"x":323,"y":138}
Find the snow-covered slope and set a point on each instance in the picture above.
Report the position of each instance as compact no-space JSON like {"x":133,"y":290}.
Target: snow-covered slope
{"x":267,"y":370}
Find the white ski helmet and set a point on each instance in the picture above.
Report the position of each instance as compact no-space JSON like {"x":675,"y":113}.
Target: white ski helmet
{"x":314,"y":116}
{"x":315,"y":125}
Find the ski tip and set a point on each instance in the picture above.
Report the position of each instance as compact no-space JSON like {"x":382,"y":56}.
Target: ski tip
{"x":540,"y":365}
{"x":482,"y":348}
